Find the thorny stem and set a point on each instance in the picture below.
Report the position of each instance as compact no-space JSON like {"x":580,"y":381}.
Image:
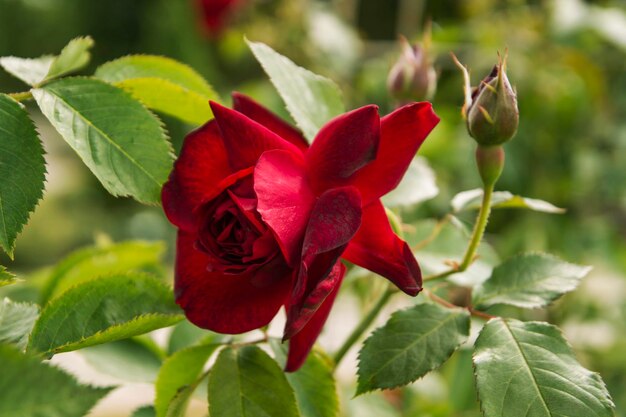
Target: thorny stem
{"x":448,"y":304}
{"x":477,"y":236}
{"x":364,"y":324}
{"x":479,"y":227}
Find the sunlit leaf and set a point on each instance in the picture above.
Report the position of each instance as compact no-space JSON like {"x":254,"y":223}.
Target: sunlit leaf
{"x":22,"y":170}
{"x":162,"y":84}
{"x":93,"y":262}
{"x":6,"y":278}
{"x":246,"y":382}
{"x":529,"y":280}
{"x":30,"y":70}
{"x":528,"y":369}
{"x":179,"y":371}
{"x":412,"y":343}
{"x":74,"y":56}
{"x":104,"y":310}
{"x":313,"y":384}
{"x":472,"y":199}
{"x":121,"y":142}
{"x":312,"y":100}
{"x":34,"y":71}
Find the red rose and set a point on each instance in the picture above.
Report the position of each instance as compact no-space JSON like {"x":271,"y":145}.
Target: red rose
{"x":263,"y":218}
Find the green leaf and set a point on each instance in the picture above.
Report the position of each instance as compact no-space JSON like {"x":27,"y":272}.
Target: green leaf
{"x":529,"y":280}
{"x":529,"y":370}
{"x":412,"y":343}
{"x":120,"y":141}
{"x":311,"y":99}
{"x":246,"y":382}
{"x":417,"y":185}
{"x":6,"y":278}
{"x":30,"y":388}
{"x":16,"y":322}
{"x":22,"y":170}
{"x":180,"y":402}
{"x":180,"y":370}
{"x":104,"y":310}
{"x":30,"y":70}
{"x":74,"y":56}
{"x":145,"y":411}
{"x":129,"y":360}
{"x":148,"y":66}
{"x":313,"y":384}
{"x":437,"y":244}
{"x":168,"y":98}
{"x":162,"y":84}
{"x":92,"y":262}
{"x":472,"y":199}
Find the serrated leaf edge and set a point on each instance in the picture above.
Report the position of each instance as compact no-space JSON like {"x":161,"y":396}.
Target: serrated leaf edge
{"x":585,"y":269}
{"x":10,"y":250}
{"x":359,"y":391}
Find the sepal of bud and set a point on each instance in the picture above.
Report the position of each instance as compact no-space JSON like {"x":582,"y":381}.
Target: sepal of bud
{"x":412,"y":77}
{"x":490,"y":162}
{"x":491,"y":108}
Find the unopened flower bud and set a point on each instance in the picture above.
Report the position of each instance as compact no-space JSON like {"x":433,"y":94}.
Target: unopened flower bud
{"x":412,"y":78}
{"x":492,"y":114}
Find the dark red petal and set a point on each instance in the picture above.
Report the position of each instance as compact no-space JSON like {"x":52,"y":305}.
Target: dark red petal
{"x":335,"y":219}
{"x":284,"y":198}
{"x":222,"y":302}
{"x":198,"y":172}
{"x":244,"y":139}
{"x":301,"y":343}
{"x":377,"y":248}
{"x":258,"y":113}
{"x":343,"y":146}
{"x":402,"y":132}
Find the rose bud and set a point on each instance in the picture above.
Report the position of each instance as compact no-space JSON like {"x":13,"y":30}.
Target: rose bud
{"x":412,"y":78}
{"x":492,"y":114}
{"x":264,"y":219}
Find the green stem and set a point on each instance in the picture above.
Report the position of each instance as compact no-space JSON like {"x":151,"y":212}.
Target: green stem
{"x":364,"y":324}
{"x":26,"y":95}
{"x":479,"y":227}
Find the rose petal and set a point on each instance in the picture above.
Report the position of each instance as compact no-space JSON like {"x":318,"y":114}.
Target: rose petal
{"x":285,"y":199}
{"x":225,"y":303}
{"x":377,"y":248}
{"x":258,"y":113}
{"x":301,"y":343}
{"x":402,"y":132}
{"x":335,"y":219}
{"x":244,"y":139}
{"x":343,"y":146}
{"x":198,"y":172}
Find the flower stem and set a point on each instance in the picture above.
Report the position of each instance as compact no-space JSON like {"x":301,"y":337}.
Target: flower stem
{"x":26,"y":95}
{"x":364,"y":324}
{"x":479,"y":227}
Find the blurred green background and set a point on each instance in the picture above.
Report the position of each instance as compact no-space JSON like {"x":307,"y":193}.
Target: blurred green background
{"x":567,"y":59}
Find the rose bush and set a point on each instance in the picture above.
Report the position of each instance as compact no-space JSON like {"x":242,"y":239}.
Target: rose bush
{"x":263,"y":219}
